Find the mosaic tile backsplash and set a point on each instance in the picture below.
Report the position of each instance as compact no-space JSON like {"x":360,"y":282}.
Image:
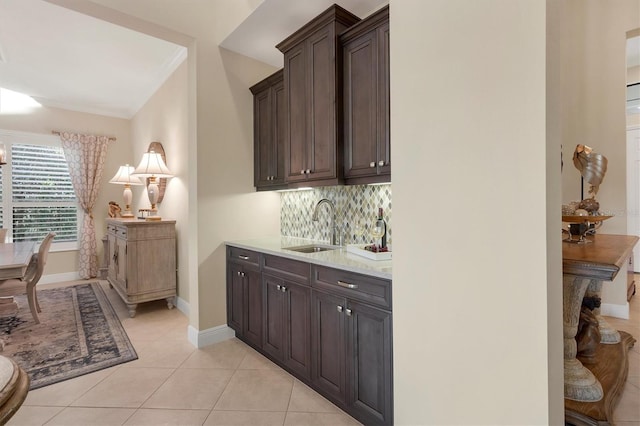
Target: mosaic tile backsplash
{"x":356,"y":212}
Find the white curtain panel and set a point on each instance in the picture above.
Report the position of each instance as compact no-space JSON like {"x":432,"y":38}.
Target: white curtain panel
{"x":86,"y":155}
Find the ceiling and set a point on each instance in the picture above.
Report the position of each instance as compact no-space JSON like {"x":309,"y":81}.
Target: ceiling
{"x":274,"y":20}
{"x":62,"y":58}
{"x":65,"y":59}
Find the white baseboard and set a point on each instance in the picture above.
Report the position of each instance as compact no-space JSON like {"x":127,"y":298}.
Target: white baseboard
{"x":616,"y":311}
{"x":210,"y":336}
{"x":183,"y":306}
{"x":59,"y":278}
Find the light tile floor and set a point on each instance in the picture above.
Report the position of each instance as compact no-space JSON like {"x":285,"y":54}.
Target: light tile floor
{"x":627,"y":412}
{"x":229,"y":383}
{"x":173,"y":383}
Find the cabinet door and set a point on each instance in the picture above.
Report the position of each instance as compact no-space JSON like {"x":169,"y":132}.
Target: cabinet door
{"x":369,"y":357}
{"x":235,"y":297}
{"x":269,"y":131}
{"x":328,"y":344}
{"x":262,"y":133}
{"x":279,"y":131}
{"x":121,"y":263}
{"x":274,"y":320}
{"x":360,"y":105}
{"x":298,"y":329}
{"x":296,"y":90}
{"x":252,"y":330}
{"x":112,"y":272}
{"x":322,"y":69}
{"x":384,"y":134}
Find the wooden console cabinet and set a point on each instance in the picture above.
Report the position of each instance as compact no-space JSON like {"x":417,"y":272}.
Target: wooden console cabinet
{"x":142,"y":260}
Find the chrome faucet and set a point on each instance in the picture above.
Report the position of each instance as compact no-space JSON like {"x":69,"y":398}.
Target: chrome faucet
{"x":332,"y":223}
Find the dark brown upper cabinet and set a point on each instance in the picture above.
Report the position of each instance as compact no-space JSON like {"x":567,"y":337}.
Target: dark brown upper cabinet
{"x":313,"y":92}
{"x":269,"y":119}
{"x":367,"y":144}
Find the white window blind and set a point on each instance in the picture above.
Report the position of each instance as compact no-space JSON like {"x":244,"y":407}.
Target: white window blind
{"x":36,"y":193}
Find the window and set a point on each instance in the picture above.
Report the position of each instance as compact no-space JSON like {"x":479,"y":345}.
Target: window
{"x":36,"y":194}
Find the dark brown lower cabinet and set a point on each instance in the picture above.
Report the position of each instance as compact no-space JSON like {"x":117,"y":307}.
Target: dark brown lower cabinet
{"x":328,"y":344}
{"x":287,"y":325}
{"x":369,"y":363}
{"x":244,"y":302}
{"x":352,"y":359}
{"x":330,"y":328}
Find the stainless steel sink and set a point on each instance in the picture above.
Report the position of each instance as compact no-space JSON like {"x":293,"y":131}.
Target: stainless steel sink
{"x":310,"y":248}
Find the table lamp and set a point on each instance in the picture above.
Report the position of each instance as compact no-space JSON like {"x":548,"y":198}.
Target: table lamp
{"x":152,"y":166}
{"x":124,"y":177}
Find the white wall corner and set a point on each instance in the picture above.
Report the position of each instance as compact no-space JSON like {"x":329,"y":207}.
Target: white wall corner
{"x":616,"y":311}
{"x":200,"y":339}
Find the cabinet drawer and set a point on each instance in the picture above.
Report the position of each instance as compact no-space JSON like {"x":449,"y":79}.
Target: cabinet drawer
{"x":243,"y":256}
{"x":118,"y":231}
{"x":375,"y":291}
{"x":286,"y":268}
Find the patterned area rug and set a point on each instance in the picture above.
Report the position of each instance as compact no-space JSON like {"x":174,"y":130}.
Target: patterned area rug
{"x":79,"y":333}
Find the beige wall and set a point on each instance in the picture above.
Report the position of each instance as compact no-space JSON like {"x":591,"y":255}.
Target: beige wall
{"x":470,"y":209}
{"x":593,"y":70}
{"x":164,"y":119}
{"x":595,"y":75}
{"x":43,"y":121}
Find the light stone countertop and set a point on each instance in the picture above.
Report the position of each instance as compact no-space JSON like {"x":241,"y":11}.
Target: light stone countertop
{"x":338,"y":258}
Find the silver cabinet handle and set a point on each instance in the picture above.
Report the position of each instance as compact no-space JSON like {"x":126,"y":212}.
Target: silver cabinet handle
{"x":278,"y":287}
{"x":348,"y":312}
{"x":239,"y":274}
{"x":372,"y":164}
{"x":347,"y":285}
{"x":302,"y":172}
{"x":243,"y":257}
{"x":339,"y":308}
{"x":380,"y":163}
{"x":308,"y":171}
{"x":283,"y":289}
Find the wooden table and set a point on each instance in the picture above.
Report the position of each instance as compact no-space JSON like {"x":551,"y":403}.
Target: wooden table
{"x":14,"y":259}
{"x":14,"y":386}
{"x":591,"y":392}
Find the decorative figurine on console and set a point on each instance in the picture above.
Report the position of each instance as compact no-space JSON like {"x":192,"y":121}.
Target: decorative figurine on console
{"x":114,"y":209}
{"x":592,"y":167}
{"x":585,"y":216}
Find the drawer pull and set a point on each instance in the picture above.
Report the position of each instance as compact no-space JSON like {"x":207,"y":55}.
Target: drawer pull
{"x":347,"y":285}
{"x":339,"y":308}
{"x":348,"y":312}
{"x":278,"y":287}
{"x":284,"y":289}
{"x":243,"y":257}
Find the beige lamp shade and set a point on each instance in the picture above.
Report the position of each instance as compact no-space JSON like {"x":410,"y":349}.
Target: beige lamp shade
{"x":153,"y":167}
{"x":124,"y":177}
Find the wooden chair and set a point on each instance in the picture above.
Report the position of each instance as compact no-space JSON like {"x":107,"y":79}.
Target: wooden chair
{"x":13,"y":287}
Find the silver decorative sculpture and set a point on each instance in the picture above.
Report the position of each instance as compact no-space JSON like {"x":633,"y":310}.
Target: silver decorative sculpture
{"x":592,"y":167}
